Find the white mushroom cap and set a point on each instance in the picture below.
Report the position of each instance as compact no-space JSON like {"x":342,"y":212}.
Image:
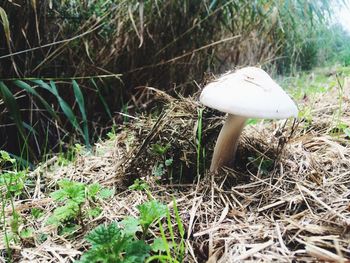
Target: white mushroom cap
{"x":249,"y":92}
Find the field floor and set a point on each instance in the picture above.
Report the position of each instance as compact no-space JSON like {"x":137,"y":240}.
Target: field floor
{"x":286,"y":199}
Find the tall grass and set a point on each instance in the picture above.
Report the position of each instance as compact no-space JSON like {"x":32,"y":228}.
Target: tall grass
{"x":114,"y":48}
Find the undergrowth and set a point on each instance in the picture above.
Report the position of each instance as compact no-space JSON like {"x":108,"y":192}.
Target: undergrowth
{"x":126,"y":241}
{"x":63,"y":80}
{"x":130,"y":240}
{"x":12,"y":185}
{"x":77,"y":201}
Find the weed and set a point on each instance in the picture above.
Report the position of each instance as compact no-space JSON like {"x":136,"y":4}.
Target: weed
{"x":111,"y":244}
{"x":261,"y":164}
{"x":164,"y":165}
{"x":65,"y":158}
{"x":175,"y":252}
{"x":76,"y":201}
{"x":160,"y":150}
{"x":338,"y":115}
{"x":140,"y":185}
{"x":120,"y":242}
{"x":11,"y":186}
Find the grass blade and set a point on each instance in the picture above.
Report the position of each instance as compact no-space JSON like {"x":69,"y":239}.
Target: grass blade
{"x":67,"y":110}
{"x":63,"y":104}
{"x":80,"y":100}
{"x":105,"y":105}
{"x":6,"y":25}
{"x":45,"y":86}
{"x":29,"y":89}
{"x":12,"y":107}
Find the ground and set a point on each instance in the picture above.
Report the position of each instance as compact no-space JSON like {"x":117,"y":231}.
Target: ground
{"x":286,"y":199}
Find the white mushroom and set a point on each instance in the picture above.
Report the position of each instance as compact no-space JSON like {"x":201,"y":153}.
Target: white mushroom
{"x":247,"y":93}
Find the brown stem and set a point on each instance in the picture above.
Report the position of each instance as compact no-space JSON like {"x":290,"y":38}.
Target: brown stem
{"x":226,"y":144}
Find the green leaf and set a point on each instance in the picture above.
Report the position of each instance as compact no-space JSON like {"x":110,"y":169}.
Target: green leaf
{"x":12,"y":107}
{"x":109,"y":244}
{"x":178,"y":219}
{"x":104,"y":235}
{"x":158,"y":170}
{"x":64,"y":106}
{"x":32,"y":91}
{"x":139,"y":185}
{"x":27,"y":233}
{"x":169,"y":162}
{"x":36,"y":212}
{"x":69,"y":230}
{"x":252,"y":121}
{"x":59,"y":195}
{"x":105,"y":193}
{"x":158,"y":245}
{"x":150,"y":212}
{"x":160,"y":149}
{"x":6,"y":157}
{"x":136,"y":252}
{"x":70,"y":190}
{"x":13,"y":181}
{"x":94,"y":212}
{"x":105,"y":105}
{"x":131,"y":225}
{"x":93,"y":189}
{"x":80,"y":100}
{"x":29,"y":128}
{"x":6,"y":25}
{"x":63,"y":213}
{"x":46,"y":86}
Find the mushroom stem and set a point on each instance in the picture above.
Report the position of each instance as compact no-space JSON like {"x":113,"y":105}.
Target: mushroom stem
{"x":226,"y":144}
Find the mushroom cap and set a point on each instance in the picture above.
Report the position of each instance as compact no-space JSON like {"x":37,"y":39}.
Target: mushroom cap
{"x":249,"y":92}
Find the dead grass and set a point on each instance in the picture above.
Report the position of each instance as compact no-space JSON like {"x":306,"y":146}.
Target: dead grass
{"x":287,"y":198}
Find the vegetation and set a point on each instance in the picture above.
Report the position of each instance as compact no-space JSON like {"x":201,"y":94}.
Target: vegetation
{"x":105,"y":149}
{"x":68,"y":66}
{"x":113,"y":243}
{"x":272,"y":168}
{"x":73,"y":196}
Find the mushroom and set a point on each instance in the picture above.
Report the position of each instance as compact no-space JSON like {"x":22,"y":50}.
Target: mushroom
{"x":247,"y":93}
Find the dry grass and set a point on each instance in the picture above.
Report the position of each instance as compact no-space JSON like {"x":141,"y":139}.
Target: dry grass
{"x":287,"y":198}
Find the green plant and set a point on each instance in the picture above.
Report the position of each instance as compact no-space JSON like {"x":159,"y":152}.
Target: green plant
{"x":174,"y":250}
{"x":339,"y":113}
{"x":196,"y":36}
{"x":122,"y":243}
{"x":164,"y":163}
{"x":262,"y":164}
{"x":139,"y":185}
{"x":113,"y":243}
{"x":76,"y":201}
{"x":11,"y":186}
{"x":42,"y":94}
{"x":109,"y":244}
{"x":67,"y":157}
